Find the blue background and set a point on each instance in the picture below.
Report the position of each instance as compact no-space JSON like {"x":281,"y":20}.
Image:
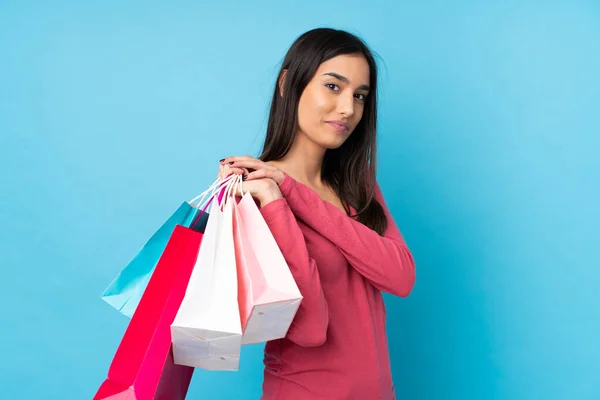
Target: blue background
{"x":111,"y":114}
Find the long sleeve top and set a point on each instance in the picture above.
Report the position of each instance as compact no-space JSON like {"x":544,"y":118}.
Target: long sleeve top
{"x":336,"y":347}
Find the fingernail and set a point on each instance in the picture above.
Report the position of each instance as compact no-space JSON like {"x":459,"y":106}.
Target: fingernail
{"x":221,"y":160}
{"x":230,"y":162}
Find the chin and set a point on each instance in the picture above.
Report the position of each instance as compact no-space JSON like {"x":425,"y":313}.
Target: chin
{"x":333,"y":146}
{"x":332,"y":142}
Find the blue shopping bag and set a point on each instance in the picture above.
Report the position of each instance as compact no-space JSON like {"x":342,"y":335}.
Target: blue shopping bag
{"x":125,"y":291}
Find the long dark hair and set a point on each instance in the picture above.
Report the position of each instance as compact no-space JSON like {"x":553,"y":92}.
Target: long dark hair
{"x":351,"y":169}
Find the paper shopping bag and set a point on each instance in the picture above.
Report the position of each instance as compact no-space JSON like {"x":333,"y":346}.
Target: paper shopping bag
{"x":125,"y":291}
{"x":207,"y":331}
{"x":269,"y":296}
{"x":143,"y":367}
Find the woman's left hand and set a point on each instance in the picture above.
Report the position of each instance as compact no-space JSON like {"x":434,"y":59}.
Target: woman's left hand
{"x":257,"y":169}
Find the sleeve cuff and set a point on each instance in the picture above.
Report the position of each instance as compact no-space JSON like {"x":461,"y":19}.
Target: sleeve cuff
{"x":286,"y":185}
{"x":273,"y":207}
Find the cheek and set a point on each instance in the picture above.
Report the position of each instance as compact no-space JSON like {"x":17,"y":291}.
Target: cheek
{"x":320,"y":103}
{"x":358,"y":113}
{"x":313,"y":106}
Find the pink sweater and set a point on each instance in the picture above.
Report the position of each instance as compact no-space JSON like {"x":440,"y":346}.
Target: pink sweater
{"x":337,"y":346}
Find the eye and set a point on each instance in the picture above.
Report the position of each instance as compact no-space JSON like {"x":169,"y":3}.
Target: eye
{"x":332,"y":86}
{"x":360,"y":96}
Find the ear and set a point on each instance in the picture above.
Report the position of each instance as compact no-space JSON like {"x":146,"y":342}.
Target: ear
{"x":281,"y":82}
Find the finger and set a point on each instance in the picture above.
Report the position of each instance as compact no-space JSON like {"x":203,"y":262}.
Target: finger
{"x":237,"y":158}
{"x":230,"y":160}
{"x":249,"y":164}
{"x":225,"y":171}
{"x":260,"y":174}
{"x":232,"y":170}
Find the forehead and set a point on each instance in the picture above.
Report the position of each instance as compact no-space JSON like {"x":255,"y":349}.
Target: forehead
{"x":353,"y":67}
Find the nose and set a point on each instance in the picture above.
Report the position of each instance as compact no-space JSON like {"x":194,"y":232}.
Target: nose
{"x":346,"y":104}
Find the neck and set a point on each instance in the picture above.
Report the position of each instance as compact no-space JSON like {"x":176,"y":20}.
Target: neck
{"x":305,"y":160}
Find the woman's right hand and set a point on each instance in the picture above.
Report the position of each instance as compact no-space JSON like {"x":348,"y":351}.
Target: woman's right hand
{"x":264,"y":190}
{"x":225,"y":170}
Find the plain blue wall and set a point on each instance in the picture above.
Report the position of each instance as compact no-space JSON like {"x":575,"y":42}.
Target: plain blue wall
{"x":111,"y":114}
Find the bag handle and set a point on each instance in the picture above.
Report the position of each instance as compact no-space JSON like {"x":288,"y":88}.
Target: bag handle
{"x":233,"y":185}
{"x":216,"y":187}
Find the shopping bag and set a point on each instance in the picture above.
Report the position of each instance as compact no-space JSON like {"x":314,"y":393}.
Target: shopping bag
{"x":143,"y":367}
{"x":268,"y":295}
{"x":125,"y":291}
{"x":207,"y":331}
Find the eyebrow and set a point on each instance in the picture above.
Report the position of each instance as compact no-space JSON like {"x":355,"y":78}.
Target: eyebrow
{"x":346,"y":80}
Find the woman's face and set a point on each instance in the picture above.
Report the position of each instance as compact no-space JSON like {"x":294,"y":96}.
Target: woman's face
{"x":333,"y":102}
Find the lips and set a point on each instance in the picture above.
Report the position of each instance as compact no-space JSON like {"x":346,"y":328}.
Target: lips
{"x":338,"y":126}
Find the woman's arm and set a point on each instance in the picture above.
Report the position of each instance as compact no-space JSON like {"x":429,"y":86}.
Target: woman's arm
{"x":384,"y":260}
{"x":309,"y":327}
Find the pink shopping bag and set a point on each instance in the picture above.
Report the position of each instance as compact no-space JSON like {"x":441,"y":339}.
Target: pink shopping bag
{"x":143,"y":367}
{"x":267,"y":292}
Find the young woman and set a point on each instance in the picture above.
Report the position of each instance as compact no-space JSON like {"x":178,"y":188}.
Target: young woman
{"x":315,"y":182}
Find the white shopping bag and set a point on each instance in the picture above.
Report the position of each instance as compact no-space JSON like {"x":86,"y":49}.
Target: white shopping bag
{"x":207,"y":331}
{"x":268,"y":295}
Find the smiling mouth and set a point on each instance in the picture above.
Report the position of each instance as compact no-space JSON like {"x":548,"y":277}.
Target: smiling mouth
{"x":338,"y":127}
